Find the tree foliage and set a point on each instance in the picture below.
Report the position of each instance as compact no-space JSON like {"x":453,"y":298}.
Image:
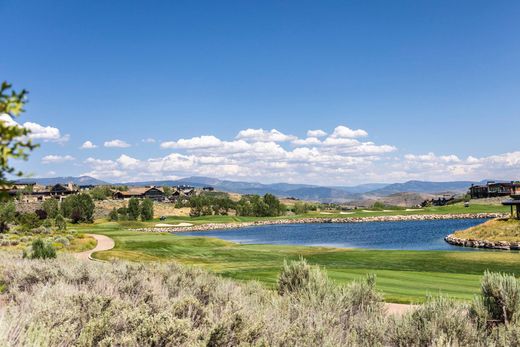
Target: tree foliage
{"x":257,"y":206}
{"x":146,"y":209}
{"x":7,"y":215}
{"x":79,"y":208}
{"x":14,"y":143}
{"x":133,"y":209}
{"x":100,"y":193}
{"x":51,"y":206}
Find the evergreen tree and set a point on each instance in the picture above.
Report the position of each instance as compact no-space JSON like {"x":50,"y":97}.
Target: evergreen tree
{"x":133,"y":209}
{"x":146,"y":210}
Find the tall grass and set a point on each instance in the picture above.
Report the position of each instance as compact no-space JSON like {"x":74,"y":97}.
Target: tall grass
{"x":65,"y":302}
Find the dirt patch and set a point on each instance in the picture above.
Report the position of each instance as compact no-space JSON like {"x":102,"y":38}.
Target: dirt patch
{"x":104,"y":207}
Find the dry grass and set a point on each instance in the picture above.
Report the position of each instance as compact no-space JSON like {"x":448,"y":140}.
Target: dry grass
{"x":66,"y":302}
{"x":493,"y":230}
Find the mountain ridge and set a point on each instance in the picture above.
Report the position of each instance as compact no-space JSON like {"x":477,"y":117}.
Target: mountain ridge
{"x":299,"y":191}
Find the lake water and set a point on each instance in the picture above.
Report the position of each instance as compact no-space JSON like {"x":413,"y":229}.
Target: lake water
{"x":406,"y":235}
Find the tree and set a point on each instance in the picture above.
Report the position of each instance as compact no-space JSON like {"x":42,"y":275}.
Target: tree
{"x":13,"y":137}
{"x":113,"y":215}
{"x":79,"y":208}
{"x":146,"y":210}
{"x":133,"y":209}
{"x":7,"y":215}
{"x":60,"y":222}
{"x":29,"y":221}
{"x":51,"y":206}
{"x":100,"y":192}
{"x":275,"y":208}
{"x":168,"y":191}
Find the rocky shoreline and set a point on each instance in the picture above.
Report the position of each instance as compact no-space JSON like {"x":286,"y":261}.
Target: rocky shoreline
{"x":402,"y":218}
{"x":504,"y":245}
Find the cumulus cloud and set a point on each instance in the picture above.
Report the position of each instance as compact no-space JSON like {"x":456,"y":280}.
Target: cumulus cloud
{"x":270,"y":155}
{"x":316,"y":133}
{"x":116,"y":144}
{"x":261,"y":135}
{"x":193,"y":143}
{"x":88,"y":145}
{"x":52,"y":158}
{"x":345,"y":132}
{"x":38,"y":132}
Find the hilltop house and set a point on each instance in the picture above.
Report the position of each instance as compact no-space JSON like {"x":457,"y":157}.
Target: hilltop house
{"x":153,"y":193}
{"x":494,"y":189}
{"x":31,"y":192}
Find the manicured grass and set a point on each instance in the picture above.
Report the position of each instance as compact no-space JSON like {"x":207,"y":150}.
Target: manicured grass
{"x":450,"y":209}
{"x":493,"y":230}
{"x":404,"y":276}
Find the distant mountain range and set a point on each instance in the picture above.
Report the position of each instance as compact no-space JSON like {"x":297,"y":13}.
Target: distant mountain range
{"x":81,"y":180}
{"x":299,"y":191}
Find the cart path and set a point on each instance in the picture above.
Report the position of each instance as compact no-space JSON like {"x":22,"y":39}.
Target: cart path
{"x":104,"y":243}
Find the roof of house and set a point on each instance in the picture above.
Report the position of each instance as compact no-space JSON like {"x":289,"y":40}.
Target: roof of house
{"x":136,"y":191}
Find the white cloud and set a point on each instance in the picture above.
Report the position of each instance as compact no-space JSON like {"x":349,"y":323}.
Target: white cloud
{"x":116,"y":144}
{"x":306,"y":142}
{"x":38,"y":131}
{"x":148,"y":140}
{"x":128,"y":162}
{"x":345,"y":132}
{"x":316,"y":133}
{"x":52,"y":158}
{"x":194,"y":143}
{"x":262,"y":135}
{"x":272,"y":156}
{"x":88,"y":145}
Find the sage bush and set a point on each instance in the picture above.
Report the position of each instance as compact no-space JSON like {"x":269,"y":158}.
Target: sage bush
{"x":67,"y":302}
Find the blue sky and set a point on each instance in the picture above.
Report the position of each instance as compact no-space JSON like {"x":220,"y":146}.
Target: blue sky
{"x":433,"y":85}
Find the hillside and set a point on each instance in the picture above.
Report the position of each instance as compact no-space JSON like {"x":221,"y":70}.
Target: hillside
{"x":81,"y":180}
{"x":423,"y":187}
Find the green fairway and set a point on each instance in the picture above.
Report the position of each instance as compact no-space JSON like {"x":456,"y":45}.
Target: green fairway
{"x":403,"y":276}
{"x":458,"y":208}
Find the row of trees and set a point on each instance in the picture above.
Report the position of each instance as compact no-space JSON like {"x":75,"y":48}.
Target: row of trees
{"x":134,"y":211}
{"x":249,"y":205}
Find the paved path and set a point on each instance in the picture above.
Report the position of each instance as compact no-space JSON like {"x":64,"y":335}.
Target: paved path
{"x":104,"y":243}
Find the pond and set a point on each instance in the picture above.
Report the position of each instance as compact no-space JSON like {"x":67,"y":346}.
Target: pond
{"x":405,"y":235}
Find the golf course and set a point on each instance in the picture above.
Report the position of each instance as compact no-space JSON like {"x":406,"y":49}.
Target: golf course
{"x":403,"y":276}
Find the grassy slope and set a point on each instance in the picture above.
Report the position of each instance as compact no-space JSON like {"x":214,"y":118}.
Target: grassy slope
{"x":493,"y":230}
{"x":403,"y":276}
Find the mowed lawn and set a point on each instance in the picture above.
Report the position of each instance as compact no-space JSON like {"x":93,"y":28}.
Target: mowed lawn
{"x":403,"y":276}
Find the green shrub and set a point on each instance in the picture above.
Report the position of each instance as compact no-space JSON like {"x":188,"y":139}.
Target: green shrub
{"x":499,"y":302}
{"x":297,"y":277}
{"x":40,"y":250}
{"x":63,"y":240}
{"x":113,"y":215}
{"x":29,"y":221}
{"x":60,"y":223}
{"x":146,"y":209}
